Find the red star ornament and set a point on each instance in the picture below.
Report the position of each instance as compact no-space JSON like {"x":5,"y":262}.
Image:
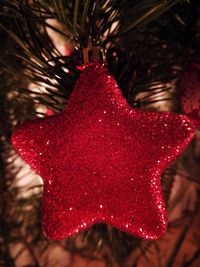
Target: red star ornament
{"x":101,"y":160}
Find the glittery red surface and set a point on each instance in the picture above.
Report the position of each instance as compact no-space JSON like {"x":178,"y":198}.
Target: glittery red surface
{"x":101,"y":160}
{"x":189,"y":93}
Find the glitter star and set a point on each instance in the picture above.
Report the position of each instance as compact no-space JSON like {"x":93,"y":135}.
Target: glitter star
{"x":101,"y":160}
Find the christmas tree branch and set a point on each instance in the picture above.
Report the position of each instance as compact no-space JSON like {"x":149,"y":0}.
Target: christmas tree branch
{"x":170,"y":261}
{"x":43,"y":63}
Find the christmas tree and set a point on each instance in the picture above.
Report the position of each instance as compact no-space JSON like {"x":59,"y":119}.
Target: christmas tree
{"x":105,"y":97}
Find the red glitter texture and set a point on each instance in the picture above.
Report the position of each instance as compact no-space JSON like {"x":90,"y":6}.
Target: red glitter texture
{"x":189,"y":93}
{"x":101,"y":160}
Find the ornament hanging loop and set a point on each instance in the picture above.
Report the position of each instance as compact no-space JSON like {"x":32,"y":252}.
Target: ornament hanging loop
{"x":93,"y":53}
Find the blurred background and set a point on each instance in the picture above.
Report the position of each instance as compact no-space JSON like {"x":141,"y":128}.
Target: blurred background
{"x":153,"y":52}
